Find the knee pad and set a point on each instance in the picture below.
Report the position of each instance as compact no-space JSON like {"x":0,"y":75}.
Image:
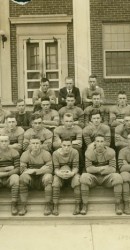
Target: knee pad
{"x":57,"y":182}
{"x":14,"y":179}
{"x":85,"y":179}
{"x":75,"y":181}
{"x":24,"y":178}
{"x":47,"y":179}
{"x":116,"y":179}
{"x":125,"y":176}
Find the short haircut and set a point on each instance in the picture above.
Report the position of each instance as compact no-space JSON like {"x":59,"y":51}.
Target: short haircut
{"x":95,"y":112}
{"x":35,"y":137}
{"x":20,"y":100}
{"x":122,"y":92}
{"x":71,"y":95}
{"x":45,"y":99}
{"x":92,"y":76}
{"x":95,"y":93}
{"x":66,"y":138}
{"x":99,"y":135}
{"x":35,"y":116}
{"x":68,"y":115}
{"x":68,"y":78}
{"x":11,"y":115}
{"x":44,"y":79}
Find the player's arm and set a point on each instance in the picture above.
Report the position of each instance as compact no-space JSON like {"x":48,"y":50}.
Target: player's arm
{"x":80,"y":121}
{"x":35,"y":99}
{"x":119,"y":140}
{"x":109,"y":169}
{"x":56,"y":140}
{"x":86,"y":117}
{"x":90,"y":168}
{"x":107,"y":136}
{"x":47,"y":168}
{"x":122,"y":161}
{"x":86,"y":136}
{"x":78,"y":142}
{"x":52,"y":123}
{"x":85,"y":97}
{"x":47,"y":144}
{"x":75,"y":164}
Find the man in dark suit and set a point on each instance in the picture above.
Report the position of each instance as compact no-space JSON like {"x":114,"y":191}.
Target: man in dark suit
{"x":69,"y":88}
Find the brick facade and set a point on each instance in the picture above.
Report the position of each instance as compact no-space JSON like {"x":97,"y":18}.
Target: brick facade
{"x":106,"y":11}
{"x":40,"y":7}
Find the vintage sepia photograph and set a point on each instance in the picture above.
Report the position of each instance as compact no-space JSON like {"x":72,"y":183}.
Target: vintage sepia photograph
{"x":64,"y":124}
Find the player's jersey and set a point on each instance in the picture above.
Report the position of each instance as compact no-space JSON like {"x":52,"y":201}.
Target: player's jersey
{"x":10,"y":157}
{"x":124,"y":155}
{"x":103,"y":110}
{"x":15,"y":136}
{"x":77,"y":112}
{"x":71,"y":159}
{"x":117,"y":112}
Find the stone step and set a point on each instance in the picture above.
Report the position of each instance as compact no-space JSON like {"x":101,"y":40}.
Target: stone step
{"x":101,"y":209}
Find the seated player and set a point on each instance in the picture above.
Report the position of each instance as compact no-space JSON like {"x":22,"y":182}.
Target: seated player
{"x":68,"y":129}
{"x":14,"y":132}
{"x":36,"y":172}
{"x":87,"y":92}
{"x":77,"y":112}
{"x":118,"y":112}
{"x":50,"y":117}
{"x":23,"y":117}
{"x":96,"y":127}
{"x":66,"y":167}
{"x":44,"y":91}
{"x":121,"y":133}
{"x":9,"y":170}
{"x":38,"y":131}
{"x":68,"y":89}
{"x":100,"y":170}
{"x":96,"y":105}
{"x":124,"y":168}
{"x":74,"y":132}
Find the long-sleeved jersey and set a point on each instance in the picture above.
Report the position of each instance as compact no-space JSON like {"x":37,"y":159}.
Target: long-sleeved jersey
{"x":77,"y":112}
{"x":117,"y":113}
{"x":90,"y":131}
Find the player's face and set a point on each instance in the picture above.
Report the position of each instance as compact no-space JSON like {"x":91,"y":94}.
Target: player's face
{"x":70,"y":101}
{"x":92,"y":82}
{"x":122,"y":99}
{"x":96,"y":99}
{"x":69,"y":84}
{"x":96,"y":119}
{"x":37,"y":124}
{"x":127,"y":121}
{"x":21,"y":107}
{"x":4,"y":142}
{"x":45,"y":105}
{"x":68,"y":121}
{"x":100,"y":143}
{"x":35,"y":144}
{"x":66,"y":146}
{"x":44,"y":86}
{"x":11,"y":123}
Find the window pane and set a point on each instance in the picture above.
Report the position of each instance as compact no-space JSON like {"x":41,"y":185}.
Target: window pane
{"x":33,"y":75}
{"x":33,"y":85}
{"x":30,"y":94}
{"x":54,"y":84}
{"x":118,"y":63}
{"x":51,"y":50}
{"x":52,"y":75}
{"x":32,"y":56}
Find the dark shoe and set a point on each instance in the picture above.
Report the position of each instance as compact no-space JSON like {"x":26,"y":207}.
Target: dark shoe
{"x":55,"y":210}
{"x":23,"y":210}
{"x":14,"y":209}
{"x":47,"y":209}
{"x":126,"y":208}
{"x":76,"y":209}
{"x":84,"y":209}
{"x":118,"y":209}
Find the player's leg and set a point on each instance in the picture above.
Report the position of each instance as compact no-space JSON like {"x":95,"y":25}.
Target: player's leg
{"x":126,"y":190}
{"x":87,"y":181}
{"x":13,"y":183}
{"x":115,"y":180}
{"x":47,"y":183}
{"x":75,"y":184}
{"x":24,"y":182}
{"x":57,"y":184}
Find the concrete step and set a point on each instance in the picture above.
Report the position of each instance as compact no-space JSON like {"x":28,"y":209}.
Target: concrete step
{"x":101,"y":209}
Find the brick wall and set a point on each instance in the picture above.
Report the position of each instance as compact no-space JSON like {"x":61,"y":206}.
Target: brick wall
{"x":102,"y":11}
{"x":39,"y":7}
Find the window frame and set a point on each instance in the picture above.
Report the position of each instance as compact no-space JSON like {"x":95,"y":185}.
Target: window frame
{"x":110,"y":50}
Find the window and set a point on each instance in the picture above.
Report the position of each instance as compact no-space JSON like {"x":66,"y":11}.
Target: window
{"x":42,"y":59}
{"x":116,"y":46}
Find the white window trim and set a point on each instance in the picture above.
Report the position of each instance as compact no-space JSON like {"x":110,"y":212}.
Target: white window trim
{"x":104,"y":64}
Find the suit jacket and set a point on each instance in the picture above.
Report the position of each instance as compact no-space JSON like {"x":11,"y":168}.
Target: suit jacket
{"x":63,"y":94}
